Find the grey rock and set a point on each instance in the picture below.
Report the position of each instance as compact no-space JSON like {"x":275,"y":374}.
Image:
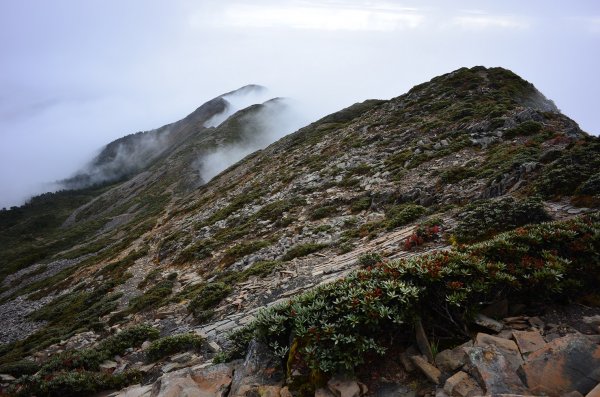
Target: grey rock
{"x":488,"y":323}
{"x":260,"y":367}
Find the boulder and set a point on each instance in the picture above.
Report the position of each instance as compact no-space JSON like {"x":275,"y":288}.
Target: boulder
{"x":213,"y":381}
{"x":563,"y":365}
{"x":493,"y":372}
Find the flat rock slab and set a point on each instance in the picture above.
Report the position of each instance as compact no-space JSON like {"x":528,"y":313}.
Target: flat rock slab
{"x":528,"y":341}
{"x":563,"y":365}
{"x":431,"y":372}
{"x":508,"y":348}
{"x":493,"y":371}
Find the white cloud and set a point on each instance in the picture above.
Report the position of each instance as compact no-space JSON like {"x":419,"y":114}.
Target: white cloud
{"x":331,"y":17}
{"x":478,"y":21}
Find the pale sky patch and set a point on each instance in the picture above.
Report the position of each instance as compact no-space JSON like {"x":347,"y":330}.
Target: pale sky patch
{"x":328,"y":18}
{"x":484,"y":21}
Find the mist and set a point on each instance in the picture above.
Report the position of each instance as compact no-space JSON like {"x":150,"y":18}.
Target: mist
{"x":276,"y":118}
{"x":77,"y":75}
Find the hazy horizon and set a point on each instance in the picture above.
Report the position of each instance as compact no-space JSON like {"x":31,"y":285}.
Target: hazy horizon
{"x":77,"y":75}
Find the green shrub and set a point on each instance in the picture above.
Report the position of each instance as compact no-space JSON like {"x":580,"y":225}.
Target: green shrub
{"x":488,"y":217}
{"x":369,"y":259}
{"x":457,"y":174}
{"x":336,"y":326}
{"x":576,"y":165}
{"x":362,"y":204}
{"x":323,"y":212}
{"x":151,"y":298}
{"x":75,"y":384}
{"x":209,"y":296}
{"x":90,"y":359}
{"x":199,"y":250}
{"x":169,"y":345}
{"x":400,"y":215}
{"x":591,"y":186}
{"x":301,"y":250}
{"x":525,"y":128}
{"x":18,"y":368}
{"x":240,"y":250}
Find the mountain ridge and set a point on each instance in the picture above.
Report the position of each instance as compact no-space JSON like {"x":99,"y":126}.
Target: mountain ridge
{"x":448,"y":154}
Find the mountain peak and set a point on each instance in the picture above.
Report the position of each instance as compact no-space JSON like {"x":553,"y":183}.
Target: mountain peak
{"x":247,"y":89}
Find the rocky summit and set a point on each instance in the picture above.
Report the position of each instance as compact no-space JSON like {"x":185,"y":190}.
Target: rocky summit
{"x":444,"y":242}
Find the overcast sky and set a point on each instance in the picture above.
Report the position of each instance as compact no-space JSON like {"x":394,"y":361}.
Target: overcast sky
{"x":77,"y":74}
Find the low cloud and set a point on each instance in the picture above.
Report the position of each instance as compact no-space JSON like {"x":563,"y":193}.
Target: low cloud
{"x":273,"y":120}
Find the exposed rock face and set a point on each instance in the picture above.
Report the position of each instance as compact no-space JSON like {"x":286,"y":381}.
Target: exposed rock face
{"x":260,"y":368}
{"x":563,"y":365}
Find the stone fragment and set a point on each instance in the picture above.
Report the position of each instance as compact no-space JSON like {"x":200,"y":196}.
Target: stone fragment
{"x":170,"y":367}
{"x":285,"y":392}
{"x":528,"y":341}
{"x":214,"y":347}
{"x":536,"y":322}
{"x":146,"y":345}
{"x":594,"y":338}
{"x":489,"y":323}
{"x":269,"y":391}
{"x":508,"y":348}
{"x":345,"y":387}
{"x":592,"y":320}
{"x":146,"y":368}
{"x":431,"y":372}
{"x":574,"y":393}
{"x":323,"y":392}
{"x":595,"y":392}
{"x":134,"y":391}
{"x":108,"y":366}
{"x":493,"y":371}
{"x":405,"y":358}
{"x":7,"y":378}
{"x":462,"y":385}
{"x":422,"y":341}
{"x":563,"y":365}
{"x":392,"y":389}
{"x":451,"y":359}
{"x":182,"y":357}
